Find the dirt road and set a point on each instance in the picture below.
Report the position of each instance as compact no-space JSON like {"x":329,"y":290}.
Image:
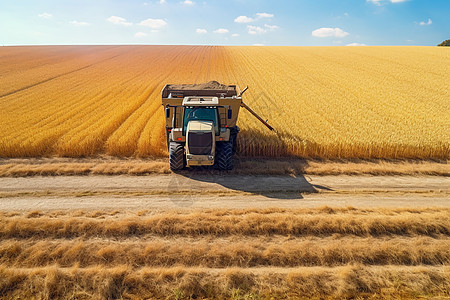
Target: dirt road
{"x":214,"y":191}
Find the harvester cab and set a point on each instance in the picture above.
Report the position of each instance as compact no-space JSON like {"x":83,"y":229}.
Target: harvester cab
{"x":201,"y":125}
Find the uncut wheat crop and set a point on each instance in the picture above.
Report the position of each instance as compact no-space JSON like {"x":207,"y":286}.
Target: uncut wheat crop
{"x":331,"y":102}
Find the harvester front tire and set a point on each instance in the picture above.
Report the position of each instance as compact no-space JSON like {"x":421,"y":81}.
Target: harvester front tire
{"x":176,"y":156}
{"x":224,"y":157}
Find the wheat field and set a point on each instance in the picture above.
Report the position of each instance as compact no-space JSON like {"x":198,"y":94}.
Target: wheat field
{"x":338,"y":253}
{"x":326,"y":102}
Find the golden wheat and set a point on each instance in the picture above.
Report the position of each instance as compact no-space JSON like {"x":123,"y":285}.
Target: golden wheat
{"x":339,"y":102}
{"x":234,"y":251}
{"x":239,"y":254}
{"x":344,"y":282}
{"x":334,"y":102}
{"x":364,"y":223}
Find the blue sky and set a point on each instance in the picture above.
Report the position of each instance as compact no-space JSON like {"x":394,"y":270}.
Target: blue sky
{"x":226,"y":22}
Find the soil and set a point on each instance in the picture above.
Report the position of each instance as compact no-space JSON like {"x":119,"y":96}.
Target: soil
{"x":166,"y":192}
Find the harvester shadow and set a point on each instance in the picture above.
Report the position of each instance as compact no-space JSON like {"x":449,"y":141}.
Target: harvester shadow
{"x":263,"y":166}
{"x":270,"y":186}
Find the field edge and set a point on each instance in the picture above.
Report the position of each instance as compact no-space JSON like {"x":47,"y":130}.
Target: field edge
{"x":54,"y":166}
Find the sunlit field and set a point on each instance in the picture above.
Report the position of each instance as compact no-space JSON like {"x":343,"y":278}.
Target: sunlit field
{"x":326,"y":102}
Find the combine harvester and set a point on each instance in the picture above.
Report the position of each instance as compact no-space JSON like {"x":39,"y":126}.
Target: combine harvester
{"x":201,"y":123}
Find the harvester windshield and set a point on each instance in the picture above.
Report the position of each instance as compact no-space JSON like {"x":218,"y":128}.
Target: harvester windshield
{"x":200,"y":114}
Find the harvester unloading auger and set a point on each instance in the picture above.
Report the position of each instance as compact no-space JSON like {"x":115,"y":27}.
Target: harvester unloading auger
{"x":201,"y":125}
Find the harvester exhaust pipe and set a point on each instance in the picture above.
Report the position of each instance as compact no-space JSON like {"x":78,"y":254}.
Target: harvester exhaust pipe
{"x":242,"y":92}
{"x":252,"y":112}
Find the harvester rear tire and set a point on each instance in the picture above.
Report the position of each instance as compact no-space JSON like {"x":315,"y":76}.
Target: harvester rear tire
{"x":233,"y":141}
{"x":224,"y":156}
{"x":176,"y":156}
{"x":233,"y":137}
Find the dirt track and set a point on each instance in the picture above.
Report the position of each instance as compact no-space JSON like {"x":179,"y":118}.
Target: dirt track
{"x":213,"y":191}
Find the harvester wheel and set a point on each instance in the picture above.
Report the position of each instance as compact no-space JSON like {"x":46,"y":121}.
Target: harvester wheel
{"x":233,"y":137}
{"x":224,"y":157}
{"x":176,"y":156}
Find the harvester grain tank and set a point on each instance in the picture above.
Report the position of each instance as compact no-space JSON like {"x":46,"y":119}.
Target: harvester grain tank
{"x":201,"y":122}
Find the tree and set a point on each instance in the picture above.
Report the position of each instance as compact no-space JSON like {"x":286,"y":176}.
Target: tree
{"x":445,"y":43}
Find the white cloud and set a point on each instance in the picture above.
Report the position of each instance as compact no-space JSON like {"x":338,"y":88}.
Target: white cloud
{"x":45,"y":16}
{"x":119,"y":21}
{"x":356,"y":44}
{"x":235,"y":34}
{"x":188,"y":2}
{"x":379,"y":2}
{"x":426,"y":23}
{"x":258,"y":44}
{"x":162,"y":1}
{"x":140,"y":34}
{"x":260,"y":30}
{"x":255,"y":29}
{"x":221,"y":30}
{"x":243,"y":19}
{"x":271,"y":27}
{"x":329,"y":32}
{"x":154,"y":23}
{"x":201,"y":31}
{"x":376,"y":2}
{"x":264,"y":15}
{"x":77,"y":23}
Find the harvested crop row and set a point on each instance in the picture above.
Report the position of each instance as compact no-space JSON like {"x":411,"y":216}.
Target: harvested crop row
{"x":222,"y":223}
{"x":112,"y":166}
{"x":324,"y":252}
{"x":350,"y":281}
{"x":235,"y":251}
{"x":325,"y":210}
